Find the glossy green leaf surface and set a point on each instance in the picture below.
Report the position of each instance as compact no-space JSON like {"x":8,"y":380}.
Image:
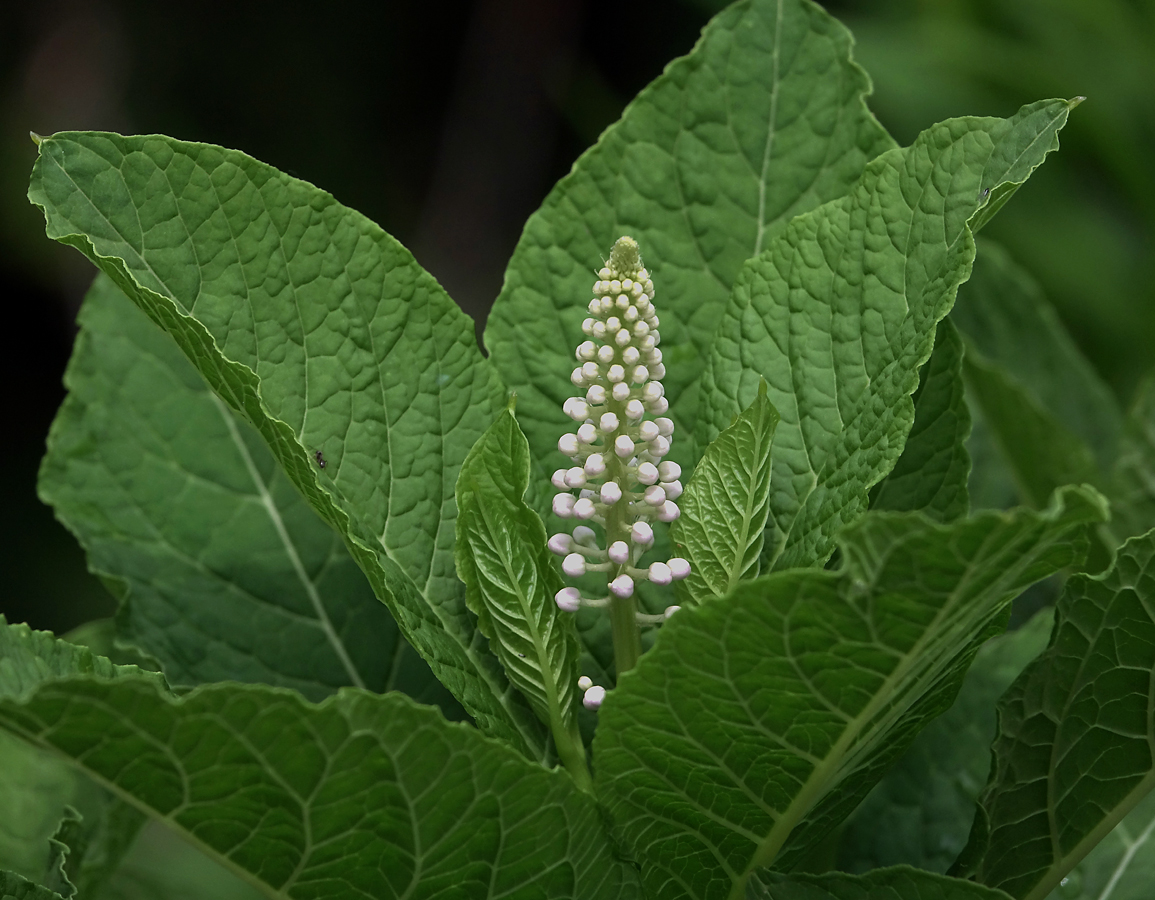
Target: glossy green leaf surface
{"x":1075,"y":751}
{"x":328,"y":336}
{"x":898,"y":883}
{"x":510,"y":575}
{"x":763,"y":120}
{"x":361,"y":795}
{"x":759,"y":722}
{"x":1119,"y":867}
{"x":921,"y":812}
{"x":839,"y":314}
{"x":225,"y":573}
{"x":931,"y":474}
{"x":725,"y":506}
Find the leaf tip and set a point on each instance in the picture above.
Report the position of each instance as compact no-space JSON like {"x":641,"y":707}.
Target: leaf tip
{"x":1075,"y":101}
{"x":36,"y":138}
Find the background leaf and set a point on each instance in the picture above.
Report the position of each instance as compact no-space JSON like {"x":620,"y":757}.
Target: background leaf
{"x":1074,"y":754}
{"x":757,"y":724}
{"x":1119,"y":867}
{"x":327,"y":335}
{"x":898,"y":883}
{"x":839,"y":314}
{"x":363,"y":794}
{"x":13,"y":887}
{"x":223,"y":570}
{"x":725,"y":505}
{"x":1133,"y":480}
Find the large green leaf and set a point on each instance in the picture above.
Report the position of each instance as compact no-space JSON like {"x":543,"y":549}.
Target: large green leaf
{"x":1119,"y":867}
{"x":1075,"y":752}
{"x":362,"y":795}
{"x":758,"y":723}
{"x":931,"y":474}
{"x":1133,"y":481}
{"x":921,"y":812}
{"x":511,"y":578}
{"x":725,"y":506}
{"x":763,"y":120}
{"x":34,"y":790}
{"x":898,"y":883}
{"x":224,"y":571}
{"x":328,"y":336}
{"x":839,"y":314}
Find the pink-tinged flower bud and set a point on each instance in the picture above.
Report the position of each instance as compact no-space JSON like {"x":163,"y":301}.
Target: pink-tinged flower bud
{"x":654,"y":495}
{"x":611,"y":493}
{"x":642,"y":534}
{"x":652,"y":391}
{"x":647,"y":431}
{"x":558,"y":479}
{"x":574,"y":565}
{"x":561,"y":544}
{"x":621,"y":391}
{"x":587,"y":433}
{"x":568,"y":599}
{"x":590,"y":371}
{"x":630,"y":355}
{"x":584,"y":509}
{"x":577,"y":379}
{"x":679,"y":568}
{"x":615,"y":374}
{"x":608,"y":423}
{"x":624,"y":446}
{"x":594,"y":697}
{"x":619,"y":552}
{"x":563,"y":505}
{"x":585,"y":683}
{"x":669,"y":471}
{"x":595,"y":465}
{"x":568,"y":444}
{"x":635,"y":410}
{"x":587,"y":350}
{"x":596,"y":395}
{"x":670,"y":610}
{"x":585,"y":536}
{"x":605,"y":354}
{"x":640,"y":374}
{"x":673,"y":489}
{"x":575,"y":477}
{"x":622,"y":586}
{"x":660,"y":573}
{"x":647,"y":473}
{"x":659,"y":446}
{"x":668,"y":511}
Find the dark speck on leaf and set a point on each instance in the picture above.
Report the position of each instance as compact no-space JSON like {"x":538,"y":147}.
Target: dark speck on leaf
{"x":320,"y":459}
{"x":986,"y":193}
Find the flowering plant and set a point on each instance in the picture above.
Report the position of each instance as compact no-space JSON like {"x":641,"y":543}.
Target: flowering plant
{"x":346,"y":662}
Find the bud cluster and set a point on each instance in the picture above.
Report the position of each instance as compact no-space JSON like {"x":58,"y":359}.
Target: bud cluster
{"x":619,"y":479}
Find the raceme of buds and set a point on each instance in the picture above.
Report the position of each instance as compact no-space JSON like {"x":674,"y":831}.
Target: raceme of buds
{"x":619,"y":478}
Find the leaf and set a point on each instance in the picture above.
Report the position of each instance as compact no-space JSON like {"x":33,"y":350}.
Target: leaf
{"x":34,"y":790}
{"x":362,"y":795}
{"x":65,"y":848}
{"x":921,"y":811}
{"x":14,"y":887}
{"x":511,"y":578}
{"x":725,"y":505}
{"x":1074,"y":752}
{"x":1119,"y":867}
{"x":898,"y":883}
{"x":326,"y":335}
{"x":758,"y":723}
{"x":839,"y":314}
{"x":224,"y":571}
{"x":931,"y":474}
{"x":1133,"y":480}
{"x":763,"y":120}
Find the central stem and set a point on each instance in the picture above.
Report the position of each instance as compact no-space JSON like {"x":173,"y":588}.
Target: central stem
{"x":623,"y":610}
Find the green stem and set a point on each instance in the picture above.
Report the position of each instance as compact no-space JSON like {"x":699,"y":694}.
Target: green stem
{"x":572,"y":753}
{"x":623,"y":611}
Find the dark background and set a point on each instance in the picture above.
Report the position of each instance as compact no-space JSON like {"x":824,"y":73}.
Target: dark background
{"x":448,"y":122}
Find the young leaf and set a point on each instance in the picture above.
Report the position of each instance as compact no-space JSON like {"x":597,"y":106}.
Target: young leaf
{"x":839,"y":314}
{"x":326,"y":335}
{"x":1075,"y":752}
{"x":725,"y":505}
{"x":758,"y":723}
{"x":897,"y":883}
{"x":931,"y":474}
{"x":1133,"y":481}
{"x":224,"y":571}
{"x":921,"y":812}
{"x":510,"y":581}
{"x":362,"y":795}
{"x":763,"y":120}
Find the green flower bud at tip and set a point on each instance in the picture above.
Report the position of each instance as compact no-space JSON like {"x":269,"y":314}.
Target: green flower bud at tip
{"x":625,"y":257}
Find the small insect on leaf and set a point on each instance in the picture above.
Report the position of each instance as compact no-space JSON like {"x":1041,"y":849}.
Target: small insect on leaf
{"x":320,"y":459}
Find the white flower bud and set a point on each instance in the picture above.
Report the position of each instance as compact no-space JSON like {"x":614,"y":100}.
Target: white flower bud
{"x":623,"y":302}
{"x":679,"y":568}
{"x":641,"y":329}
{"x":574,"y":565}
{"x":568,"y":599}
{"x":568,"y":444}
{"x":654,"y":356}
{"x":596,"y":395}
{"x":585,"y":683}
{"x":659,"y":406}
{"x":605,"y":354}
{"x":616,"y":286}
{"x":587,"y":350}
{"x":647,"y":431}
{"x":624,"y":446}
{"x":640,"y":374}
{"x":659,"y":573}
{"x":621,"y":391}
{"x":575,"y":477}
{"x":619,"y":552}
{"x":558,"y":479}
{"x":666,"y":427}
{"x":622,"y":338}
{"x":594,"y":697}
{"x":659,"y":446}
{"x":613,"y":323}
{"x":642,"y":534}
{"x":604,"y":273}
{"x":584,"y":509}
{"x":590,"y":371}
{"x":668,"y":511}
{"x":635,"y":410}
{"x":622,"y":586}
{"x":647,"y":343}
{"x":563,"y":505}
{"x":605,"y":306}
{"x":577,"y":379}
{"x":630,"y":355}
{"x":655,"y":495}
{"x":588,"y":326}
{"x":611,"y":493}
{"x":615,"y":374}
{"x":670,"y":610}
{"x":631,"y":314}
{"x":587,"y":434}
{"x":658,"y":370}
{"x":608,"y":423}
{"x":585,"y":536}
{"x":673,"y":489}
{"x":652,"y":391}
{"x":647,"y":473}
{"x":577,"y":409}
{"x":627,"y":285}
{"x":561,"y":544}
{"x":599,"y":329}
{"x":669,"y":471}
{"x":595,"y":464}
{"x":594,"y":307}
